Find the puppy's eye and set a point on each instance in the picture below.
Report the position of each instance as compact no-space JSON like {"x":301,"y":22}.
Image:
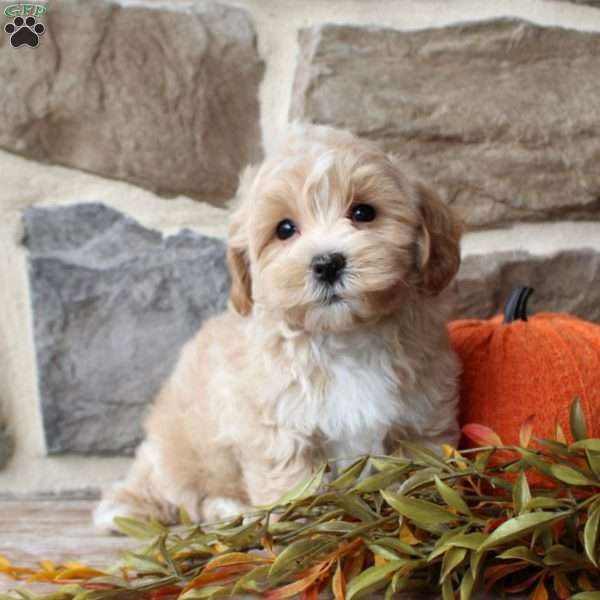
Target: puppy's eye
{"x":286,"y":229}
{"x":362,"y":213}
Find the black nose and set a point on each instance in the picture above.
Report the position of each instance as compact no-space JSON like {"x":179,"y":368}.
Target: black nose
{"x":328,"y":267}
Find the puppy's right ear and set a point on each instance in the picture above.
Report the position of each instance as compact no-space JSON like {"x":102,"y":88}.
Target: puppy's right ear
{"x":439,"y":241}
{"x":240,"y":295}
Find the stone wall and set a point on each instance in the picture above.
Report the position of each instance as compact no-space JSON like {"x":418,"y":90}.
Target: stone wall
{"x":122,"y":133}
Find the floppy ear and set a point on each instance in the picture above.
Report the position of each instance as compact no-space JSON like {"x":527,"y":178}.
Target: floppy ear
{"x":240,"y":295}
{"x":438,"y":242}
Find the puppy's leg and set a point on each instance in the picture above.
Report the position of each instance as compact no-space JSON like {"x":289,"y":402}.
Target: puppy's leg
{"x":267,"y":480}
{"x":346,"y":451}
{"x":217,"y":508}
{"x":138,"y":496}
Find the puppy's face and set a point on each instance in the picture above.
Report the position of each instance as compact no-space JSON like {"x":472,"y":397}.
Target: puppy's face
{"x":330,"y":234}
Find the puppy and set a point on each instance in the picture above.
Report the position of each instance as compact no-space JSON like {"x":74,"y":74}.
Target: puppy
{"x":334,"y":345}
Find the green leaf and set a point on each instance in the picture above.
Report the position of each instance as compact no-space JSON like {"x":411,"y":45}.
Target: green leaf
{"x":398,"y":546}
{"x":138,"y":529}
{"x":26,"y":594}
{"x":520,"y":553}
{"x":332,"y":527}
{"x":521,"y":493}
{"x":588,"y":444}
{"x":577,"y":421}
{"x":441,"y":545}
{"x":555,"y":447}
{"x":482,"y":459}
{"x":570,"y":475}
{"x":60,"y":595}
{"x":424,"y":455}
{"x":586,"y":596}
{"x":184,"y":517}
{"x":421,"y":478}
{"x":143,"y":564}
{"x":518,"y":526}
{"x":402,"y":580}
{"x":352,"y":504}
{"x":590,"y":532}
{"x":249,"y":579}
{"x":372,"y":579}
{"x":380,"y":480}
{"x":542,"y":502}
{"x":531,"y":459}
{"x":304,"y":489}
{"x":381,"y":463}
{"x":466,"y":586}
{"x":111,"y":580}
{"x":243,"y":535}
{"x":559,"y":555}
{"x":296,"y":552}
{"x":472,"y":541}
{"x":451,"y":560}
{"x":389,"y":592}
{"x":498,"y":482}
{"x":209,"y":591}
{"x":384,"y":552}
{"x":162,"y":546}
{"x":447,"y":591}
{"x":418,"y":510}
{"x":476,"y":563}
{"x":350,"y":474}
{"x":451,"y":497}
{"x":593,"y":459}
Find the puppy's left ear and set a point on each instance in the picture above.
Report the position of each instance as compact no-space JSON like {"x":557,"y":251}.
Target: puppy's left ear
{"x":438,"y":244}
{"x":240,"y":296}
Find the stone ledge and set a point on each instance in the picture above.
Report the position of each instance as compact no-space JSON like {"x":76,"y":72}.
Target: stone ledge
{"x":501,"y":116}
{"x":27,"y":183}
{"x":163,"y":95}
{"x":66,"y":476}
{"x":537,"y":239}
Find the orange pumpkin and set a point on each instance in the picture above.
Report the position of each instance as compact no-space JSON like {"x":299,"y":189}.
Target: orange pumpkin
{"x":515,"y":367}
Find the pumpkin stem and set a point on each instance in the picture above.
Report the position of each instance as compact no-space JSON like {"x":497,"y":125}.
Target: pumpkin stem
{"x":516,"y":307}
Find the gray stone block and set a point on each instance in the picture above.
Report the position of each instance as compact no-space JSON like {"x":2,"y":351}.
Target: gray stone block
{"x":112,"y":304}
{"x":566,"y":281}
{"x":161,"y":94}
{"x":502,"y":116}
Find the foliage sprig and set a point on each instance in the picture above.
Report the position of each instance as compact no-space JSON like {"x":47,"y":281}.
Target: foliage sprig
{"x":512,"y":518}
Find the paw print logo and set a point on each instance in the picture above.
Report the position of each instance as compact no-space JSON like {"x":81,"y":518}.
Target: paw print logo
{"x":24,"y":32}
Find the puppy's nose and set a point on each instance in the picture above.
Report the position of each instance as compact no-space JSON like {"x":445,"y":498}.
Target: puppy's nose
{"x":328,"y":267}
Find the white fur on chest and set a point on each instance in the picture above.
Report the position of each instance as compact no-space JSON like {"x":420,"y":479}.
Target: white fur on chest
{"x":343,"y":389}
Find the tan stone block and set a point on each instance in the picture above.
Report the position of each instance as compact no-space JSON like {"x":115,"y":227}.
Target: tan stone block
{"x":501,"y":116}
{"x":161,"y":95}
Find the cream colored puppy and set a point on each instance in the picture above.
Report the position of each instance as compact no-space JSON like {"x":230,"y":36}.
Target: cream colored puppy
{"x":334,"y":346}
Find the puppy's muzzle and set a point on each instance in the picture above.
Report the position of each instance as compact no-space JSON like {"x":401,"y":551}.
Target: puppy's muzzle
{"x":328,"y":268}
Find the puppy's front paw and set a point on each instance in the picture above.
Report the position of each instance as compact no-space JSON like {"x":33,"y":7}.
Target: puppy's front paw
{"x":105,"y":513}
{"x":219,"y":507}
